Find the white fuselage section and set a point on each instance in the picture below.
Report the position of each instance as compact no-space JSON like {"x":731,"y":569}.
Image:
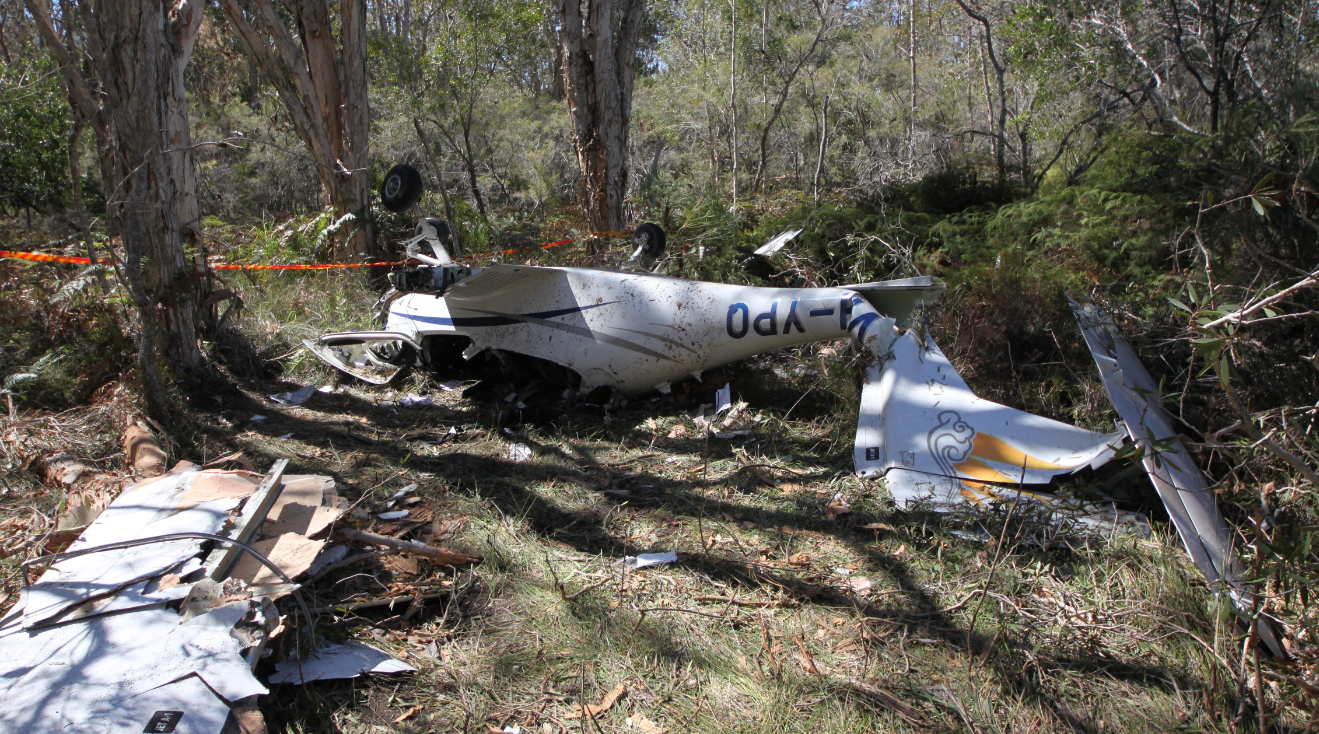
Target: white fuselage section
{"x":637,"y":332}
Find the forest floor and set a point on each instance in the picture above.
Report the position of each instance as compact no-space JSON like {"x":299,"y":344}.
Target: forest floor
{"x":782,"y":614}
{"x":802,"y":600}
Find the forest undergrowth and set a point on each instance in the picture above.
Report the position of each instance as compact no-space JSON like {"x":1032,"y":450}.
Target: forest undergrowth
{"x":782,"y":609}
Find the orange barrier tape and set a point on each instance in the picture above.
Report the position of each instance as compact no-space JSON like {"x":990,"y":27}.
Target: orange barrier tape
{"x":45,"y":258}
{"x":39,"y":257}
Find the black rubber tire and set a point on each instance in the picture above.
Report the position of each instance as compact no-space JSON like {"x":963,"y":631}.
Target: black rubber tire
{"x":441,"y":229}
{"x":401,"y":189}
{"x":654,"y":239}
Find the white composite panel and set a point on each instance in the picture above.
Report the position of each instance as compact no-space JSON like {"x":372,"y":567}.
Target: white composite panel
{"x":1180,"y":484}
{"x":934,"y":440}
{"x":142,"y":512}
{"x":57,"y":679}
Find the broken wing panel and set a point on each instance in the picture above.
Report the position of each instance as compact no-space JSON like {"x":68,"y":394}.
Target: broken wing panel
{"x":1179,"y":482}
{"x":148,"y":510}
{"x":66,"y":675}
{"x":923,"y":427}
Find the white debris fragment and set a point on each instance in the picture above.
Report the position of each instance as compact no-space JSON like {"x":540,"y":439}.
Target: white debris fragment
{"x":287,"y":435}
{"x":257,"y":418}
{"x":69,"y":675}
{"x":345,"y":660}
{"x":649,"y":559}
{"x":297,"y":397}
{"x":150,"y":509}
{"x":326,"y":389}
{"x":776,"y":244}
{"x":330,"y":554}
{"x":405,"y":491}
{"x":451,"y":385}
{"x":395,"y":515}
{"x":932,"y":439}
{"x":415,"y":401}
{"x":723,"y":398}
{"x":519,"y":452}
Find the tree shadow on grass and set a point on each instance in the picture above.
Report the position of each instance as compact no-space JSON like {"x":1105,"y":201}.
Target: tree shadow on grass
{"x":510,"y":486}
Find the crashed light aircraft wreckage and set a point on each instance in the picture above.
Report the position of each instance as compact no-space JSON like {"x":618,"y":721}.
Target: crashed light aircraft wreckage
{"x":921,"y":428}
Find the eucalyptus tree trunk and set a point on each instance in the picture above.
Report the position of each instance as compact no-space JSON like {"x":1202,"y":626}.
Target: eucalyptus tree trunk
{"x":141,"y":49}
{"x":132,"y":92}
{"x":599,"y":49}
{"x":322,"y":83}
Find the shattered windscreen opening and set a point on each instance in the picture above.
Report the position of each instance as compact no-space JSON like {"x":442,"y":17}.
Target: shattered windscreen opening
{"x":368,"y":361}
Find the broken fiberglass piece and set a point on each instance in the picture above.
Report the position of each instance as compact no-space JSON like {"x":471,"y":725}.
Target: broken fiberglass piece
{"x":149,"y":509}
{"x":296,"y":397}
{"x":361,"y":353}
{"x":776,"y":244}
{"x":934,"y":440}
{"x":1179,"y":482}
{"x":184,"y":706}
{"x":68,"y":674}
{"x":345,"y":660}
{"x":140,"y":594}
{"x":648,"y":559}
{"x":1185,"y":493}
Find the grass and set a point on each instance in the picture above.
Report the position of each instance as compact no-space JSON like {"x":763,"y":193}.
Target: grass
{"x":1098,"y":636}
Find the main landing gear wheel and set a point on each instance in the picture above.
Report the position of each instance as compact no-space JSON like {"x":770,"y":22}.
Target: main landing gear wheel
{"x":402,"y":188}
{"x":649,"y":238}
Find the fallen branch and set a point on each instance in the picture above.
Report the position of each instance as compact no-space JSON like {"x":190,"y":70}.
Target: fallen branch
{"x":888,"y":700}
{"x":350,"y":560}
{"x":740,"y":603}
{"x":413,"y":599}
{"x":443,"y":557}
{"x":1248,"y":423}
{"x":143,"y":452}
{"x":1239,"y":314}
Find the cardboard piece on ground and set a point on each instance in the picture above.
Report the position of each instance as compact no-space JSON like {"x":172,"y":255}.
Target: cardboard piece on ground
{"x":303,"y":507}
{"x":292,"y":553}
{"x":248,"y":525}
{"x":214,"y":485}
{"x":346,"y":660}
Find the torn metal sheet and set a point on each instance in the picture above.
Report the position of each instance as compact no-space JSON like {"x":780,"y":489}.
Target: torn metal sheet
{"x":359,"y":353}
{"x":67,"y":675}
{"x":140,"y":512}
{"x":184,"y":706}
{"x":346,"y":660}
{"x":140,"y":594}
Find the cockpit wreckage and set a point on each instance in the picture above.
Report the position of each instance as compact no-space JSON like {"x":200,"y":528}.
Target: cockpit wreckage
{"x":630,"y":333}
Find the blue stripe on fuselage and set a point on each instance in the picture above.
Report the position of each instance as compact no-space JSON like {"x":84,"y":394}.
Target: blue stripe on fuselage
{"x":499,"y":320}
